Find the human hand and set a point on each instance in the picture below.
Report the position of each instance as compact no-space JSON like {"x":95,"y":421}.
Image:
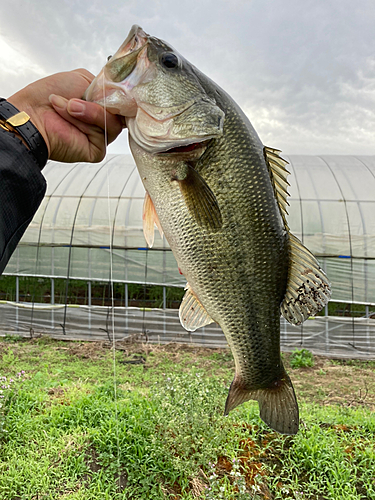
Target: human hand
{"x":73,"y":129}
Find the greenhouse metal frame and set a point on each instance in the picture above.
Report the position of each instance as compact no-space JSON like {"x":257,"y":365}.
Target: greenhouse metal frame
{"x":89,"y":228}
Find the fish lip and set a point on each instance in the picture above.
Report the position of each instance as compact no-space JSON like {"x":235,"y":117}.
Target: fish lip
{"x":136,"y":41}
{"x":135,"y":31}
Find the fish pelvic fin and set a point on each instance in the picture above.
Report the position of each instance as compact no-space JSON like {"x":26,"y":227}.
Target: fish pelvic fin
{"x":308,"y":289}
{"x":199,"y":199}
{"x":279,"y":178}
{"x":278,"y":406}
{"x":150,"y":218}
{"x":192,"y":314}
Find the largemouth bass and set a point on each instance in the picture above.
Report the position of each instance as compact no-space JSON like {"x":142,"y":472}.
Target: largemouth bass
{"x":220,"y":198}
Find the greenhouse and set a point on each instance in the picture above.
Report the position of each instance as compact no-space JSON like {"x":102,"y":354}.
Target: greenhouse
{"x":82,"y":269}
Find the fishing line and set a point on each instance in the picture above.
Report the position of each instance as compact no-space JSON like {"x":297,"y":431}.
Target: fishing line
{"x":63,"y":324}
{"x":301,"y":214}
{"x":112,"y":289}
{"x":144,"y":331}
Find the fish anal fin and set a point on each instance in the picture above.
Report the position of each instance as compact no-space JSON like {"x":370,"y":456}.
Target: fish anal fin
{"x":279,"y":177}
{"x":199,"y":199}
{"x":150,"y":218}
{"x":238,"y":394}
{"x":278,"y":406}
{"x":308,"y":289}
{"x":192,"y":314}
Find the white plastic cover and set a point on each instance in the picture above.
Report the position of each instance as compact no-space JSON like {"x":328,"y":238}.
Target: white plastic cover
{"x":90,"y":208}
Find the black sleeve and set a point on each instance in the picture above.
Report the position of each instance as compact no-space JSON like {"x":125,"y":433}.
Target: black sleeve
{"x":22,"y":188}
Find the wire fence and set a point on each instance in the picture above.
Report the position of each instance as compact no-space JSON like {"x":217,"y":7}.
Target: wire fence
{"x":344,"y":337}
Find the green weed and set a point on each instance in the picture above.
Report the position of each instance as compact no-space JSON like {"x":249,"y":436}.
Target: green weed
{"x":158,"y":432}
{"x":301,"y":358}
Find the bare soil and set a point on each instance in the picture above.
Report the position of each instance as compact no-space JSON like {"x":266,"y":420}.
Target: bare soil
{"x":330,"y":381}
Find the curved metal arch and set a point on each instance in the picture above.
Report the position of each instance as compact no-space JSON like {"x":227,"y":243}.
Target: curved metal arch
{"x":350,"y":238}
{"x":106,"y":163}
{"x":116,"y":211}
{"x":71,"y":241}
{"x":299,"y":194}
{"x":47,"y":204}
{"x":118,"y":201}
{"x":364,"y":227}
{"x":38,"y":243}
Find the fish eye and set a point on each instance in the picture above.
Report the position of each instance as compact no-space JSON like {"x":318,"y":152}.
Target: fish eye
{"x":169,"y":60}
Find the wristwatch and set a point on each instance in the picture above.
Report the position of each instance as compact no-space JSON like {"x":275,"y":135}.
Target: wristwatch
{"x":13,"y":120}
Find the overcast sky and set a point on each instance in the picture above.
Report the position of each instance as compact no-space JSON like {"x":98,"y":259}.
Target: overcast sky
{"x":302,"y":70}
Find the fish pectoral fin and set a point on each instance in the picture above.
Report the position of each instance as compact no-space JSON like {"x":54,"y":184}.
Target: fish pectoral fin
{"x":278,"y":406}
{"x":150,"y":218}
{"x":308,"y":289}
{"x":199,"y":199}
{"x":192,"y":314}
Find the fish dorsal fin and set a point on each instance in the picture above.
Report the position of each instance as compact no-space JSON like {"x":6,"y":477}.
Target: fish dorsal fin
{"x":150,"y":217}
{"x":279,"y":175}
{"x":308,"y":289}
{"x":192,"y":314}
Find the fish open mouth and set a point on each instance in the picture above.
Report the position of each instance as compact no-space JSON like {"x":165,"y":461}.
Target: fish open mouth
{"x":186,"y":148}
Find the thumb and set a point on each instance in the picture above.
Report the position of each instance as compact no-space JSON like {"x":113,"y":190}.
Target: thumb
{"x":94,"y":114}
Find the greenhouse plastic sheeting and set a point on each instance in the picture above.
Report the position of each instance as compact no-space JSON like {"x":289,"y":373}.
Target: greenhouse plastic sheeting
{"x":90,"y":209}
{"x":332,"y":336}
{"x":89,"y":227}
{"x":332,"y":208}
{"x":90,"y":212}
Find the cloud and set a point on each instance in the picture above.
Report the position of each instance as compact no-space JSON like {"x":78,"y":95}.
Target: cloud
{"x":304,"y":72}
{"x":16,"y":70}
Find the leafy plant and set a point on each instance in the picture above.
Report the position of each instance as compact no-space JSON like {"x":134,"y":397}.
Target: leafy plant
{"x":301,"y":358}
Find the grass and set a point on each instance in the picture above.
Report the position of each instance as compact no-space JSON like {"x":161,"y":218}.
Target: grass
{"x":67,"y":431}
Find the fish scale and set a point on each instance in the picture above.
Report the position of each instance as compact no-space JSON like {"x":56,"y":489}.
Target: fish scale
{"x":246,"y":253}
{"x":220,"y":198}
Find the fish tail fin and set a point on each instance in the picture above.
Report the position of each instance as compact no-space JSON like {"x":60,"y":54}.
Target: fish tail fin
{"x":278,"y":405}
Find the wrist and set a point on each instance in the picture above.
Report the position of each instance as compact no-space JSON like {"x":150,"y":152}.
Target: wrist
{"x":24,"y":100}
{"x":18,"y":122}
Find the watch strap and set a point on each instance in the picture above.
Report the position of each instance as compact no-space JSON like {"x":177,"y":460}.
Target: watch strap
{"x":15,"y":121}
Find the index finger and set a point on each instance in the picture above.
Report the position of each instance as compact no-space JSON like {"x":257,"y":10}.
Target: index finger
{"x":85,"y":73}
{"x":94,"y":114}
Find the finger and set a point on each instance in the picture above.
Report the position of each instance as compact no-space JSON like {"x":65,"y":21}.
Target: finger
{"x":85,"y":73}
{"x":71,"y":139}
{"x":89,"y":135}
{"x":93,"y":114}
{"x":60,"y":105}
{"x":89,"y":118}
